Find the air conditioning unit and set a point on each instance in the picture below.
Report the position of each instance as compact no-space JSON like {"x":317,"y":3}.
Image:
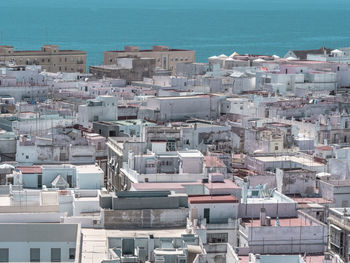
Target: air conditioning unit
{"x":181,"y":259}
{"x":159,"y":259}
{"x":96,"y":222}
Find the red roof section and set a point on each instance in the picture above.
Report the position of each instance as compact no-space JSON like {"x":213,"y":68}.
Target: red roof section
{"x":292,"y":221}
{"x":213,"y":161}
{"x":324,"y":148}
{"x":30,"y":169}
{"x":211,"y":199}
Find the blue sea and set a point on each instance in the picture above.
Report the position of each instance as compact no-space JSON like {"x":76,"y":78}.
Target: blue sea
{"x":211,"y":27}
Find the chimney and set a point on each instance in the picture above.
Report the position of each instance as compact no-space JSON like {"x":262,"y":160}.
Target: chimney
{"x":263,"y":217}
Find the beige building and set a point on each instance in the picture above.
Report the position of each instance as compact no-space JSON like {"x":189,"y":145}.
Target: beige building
{"x":165,"y":58}
{"x":49,"y":58}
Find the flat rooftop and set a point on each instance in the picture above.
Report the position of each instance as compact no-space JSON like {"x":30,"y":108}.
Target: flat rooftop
{"x":296,"y":159}
{"x":227,"y":184}
{"x":88,"y":169}
{"x":189,"y":154}
{"x":292,"y":221}
{"x":95,"y":245}
{"x":33,"y":232}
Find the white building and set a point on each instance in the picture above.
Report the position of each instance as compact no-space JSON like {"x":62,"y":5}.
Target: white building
{"x":40,"y":242}
{"x":103,"y":108}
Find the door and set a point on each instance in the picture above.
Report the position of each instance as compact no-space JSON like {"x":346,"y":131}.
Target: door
{"x":69,"y":180}
{"x":207,"y":214}
{"x":40,"y":181}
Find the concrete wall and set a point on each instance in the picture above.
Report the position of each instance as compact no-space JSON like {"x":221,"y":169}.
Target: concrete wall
{"x":85,"y":205}
{"x":30,"y":180}
{"x":170,"y":202}
{"x":20,"y":251}
{"x":256,"y":180}
{"x":219,"y":212}
{"x":90,"y":180}
{"x":191,"y":165}
{"x":154,"y":218}
{"x":50,"y":172}
{"x":272,"y":210}
{"x":291,"y":239}
{"x":33,"y":217}
{"x":231,"y":256}
{"x":296,"y":182}
{"x":339,"y":194}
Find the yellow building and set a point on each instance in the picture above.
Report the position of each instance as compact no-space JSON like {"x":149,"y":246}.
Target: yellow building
{"x":49,"y":58}
{"x":165,"y":58}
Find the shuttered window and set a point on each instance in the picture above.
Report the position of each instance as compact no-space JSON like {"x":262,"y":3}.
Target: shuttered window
{"x":55,"y":255}
{"x":35,"y":255}
{"x":4,"y":255}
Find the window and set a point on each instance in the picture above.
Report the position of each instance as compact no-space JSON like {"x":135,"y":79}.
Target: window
{"x":27,"y":157}
{"x":55,"y":255}
{"x":276,"y":148}
{"x":171,"y":146}
{"x":35,"y":255}
{"x":217,"y":238}
{"x":4,"y":255}
{"x":335,"y":238}
{"x":72,"y":253}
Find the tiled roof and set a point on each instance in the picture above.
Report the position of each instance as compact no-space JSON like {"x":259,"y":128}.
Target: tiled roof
{"x":30,"y":169}
{"x":207,"y":199}
{"x":213,"y":161}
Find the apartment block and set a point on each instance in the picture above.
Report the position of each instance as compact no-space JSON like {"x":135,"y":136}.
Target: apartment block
{"x":165,"y":58}
{"x":50,"y":58}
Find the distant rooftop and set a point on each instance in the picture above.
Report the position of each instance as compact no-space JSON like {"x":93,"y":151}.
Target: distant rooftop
{"x":302,"y":54}
{"x":154,"y":49}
